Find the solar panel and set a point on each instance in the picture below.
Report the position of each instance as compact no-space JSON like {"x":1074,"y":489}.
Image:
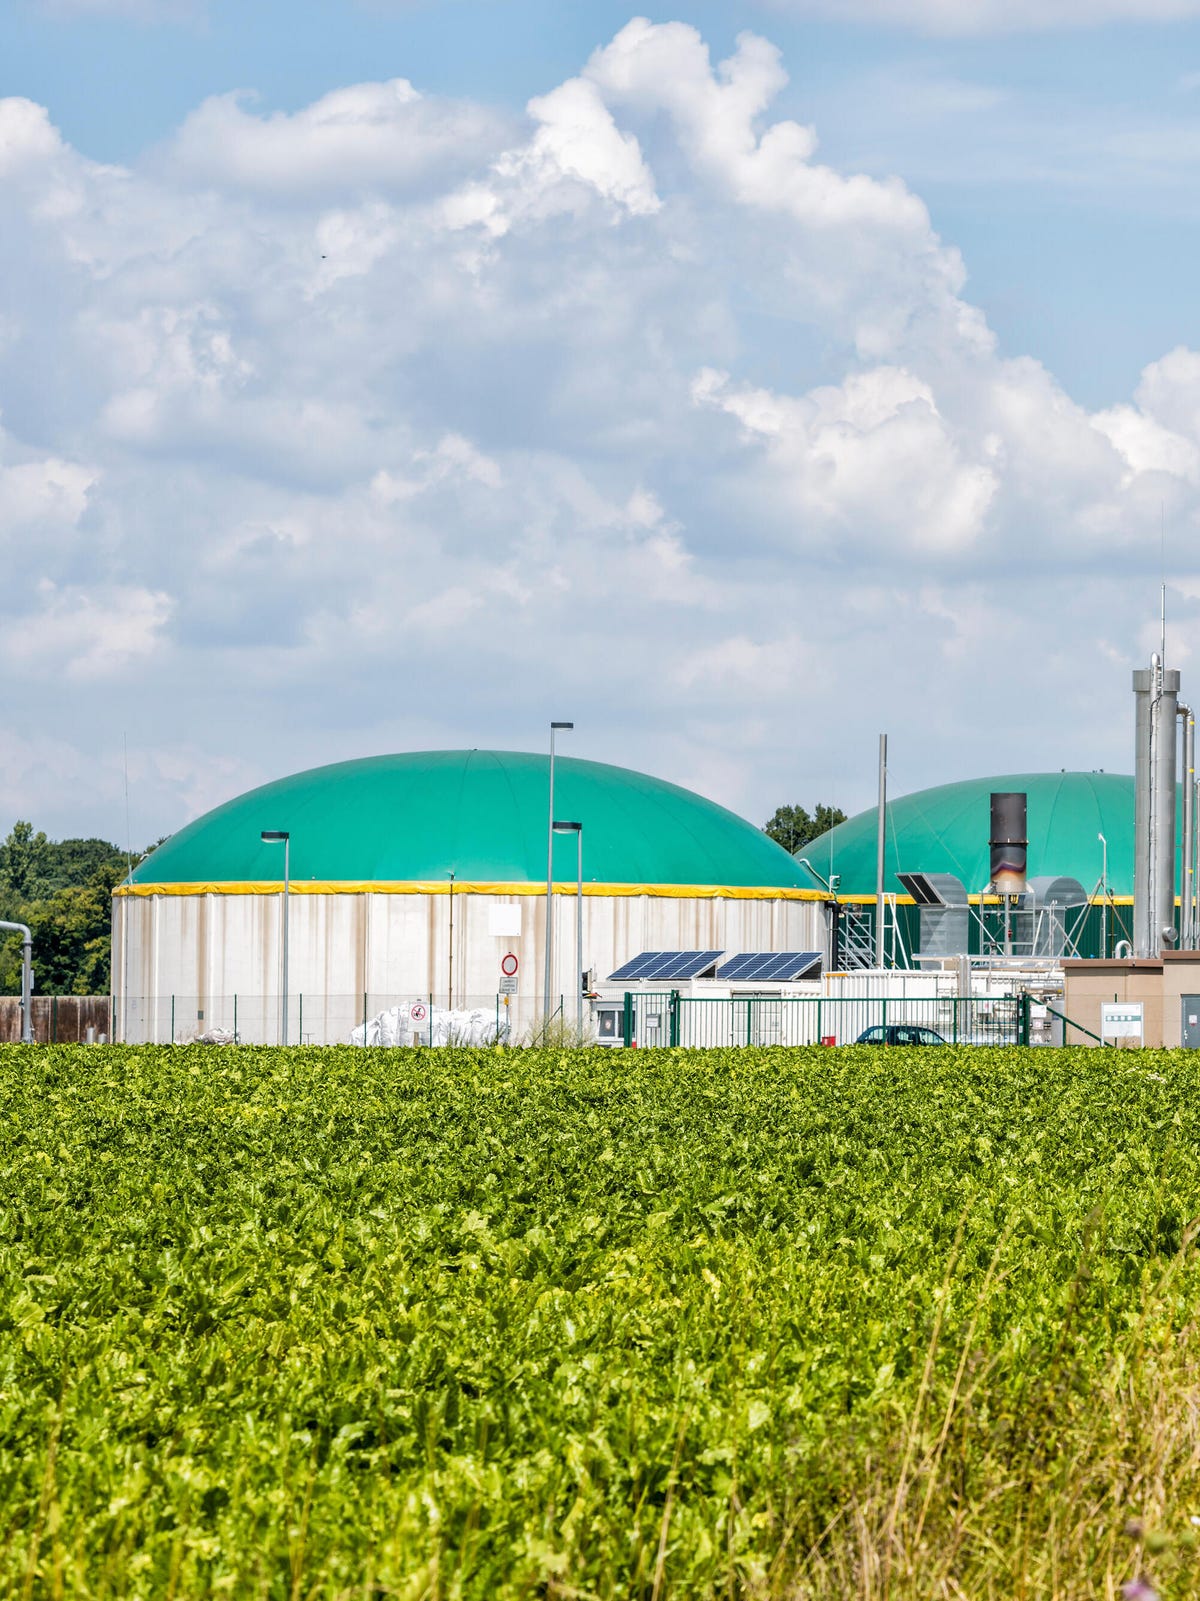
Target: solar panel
{"x":666,"y":965}
{"x":780,"y":967}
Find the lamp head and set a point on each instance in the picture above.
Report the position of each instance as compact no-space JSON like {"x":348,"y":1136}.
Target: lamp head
{"x":562,"y":725}
{"x":567,"y":828}
{"x":275,"y":836}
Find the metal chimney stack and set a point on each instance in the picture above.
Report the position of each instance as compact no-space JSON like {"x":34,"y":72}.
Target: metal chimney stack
{"x":1156,"y":695}
{"x":1010,"y":841}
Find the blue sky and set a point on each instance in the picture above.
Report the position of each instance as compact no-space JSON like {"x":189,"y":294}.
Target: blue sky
{"x":751,"y":396}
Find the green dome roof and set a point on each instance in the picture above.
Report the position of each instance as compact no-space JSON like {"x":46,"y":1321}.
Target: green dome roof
{"x":481,"y":814}
{"x":945,"y":830}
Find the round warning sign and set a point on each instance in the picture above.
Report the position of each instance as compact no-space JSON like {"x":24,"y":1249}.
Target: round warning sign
{"x":509,"y":965}
{"x":418,"y":1012}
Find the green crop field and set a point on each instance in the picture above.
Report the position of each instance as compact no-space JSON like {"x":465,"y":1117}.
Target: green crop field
{"x":582,"y":1323}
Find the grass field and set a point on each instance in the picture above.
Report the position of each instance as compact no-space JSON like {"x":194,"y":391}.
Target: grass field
{"x":804,"y":1324}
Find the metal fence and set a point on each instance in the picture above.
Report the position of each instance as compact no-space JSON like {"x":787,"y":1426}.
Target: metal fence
{"x":647,"y":1019}
{"x":673,"y":1019}
{"x":320,"y":1019}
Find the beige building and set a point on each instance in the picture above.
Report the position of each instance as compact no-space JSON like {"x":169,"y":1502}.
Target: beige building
{"x":1167,"y":987}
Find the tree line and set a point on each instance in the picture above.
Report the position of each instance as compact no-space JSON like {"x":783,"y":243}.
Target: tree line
{"x":794,"y":826}
{"x":62,"y":890}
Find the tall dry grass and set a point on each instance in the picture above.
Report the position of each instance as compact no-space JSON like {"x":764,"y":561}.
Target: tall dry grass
{"x":1074,"y":1495}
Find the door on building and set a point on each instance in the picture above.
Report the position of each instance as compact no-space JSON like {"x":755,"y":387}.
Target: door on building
{"x":1189,"y":1030}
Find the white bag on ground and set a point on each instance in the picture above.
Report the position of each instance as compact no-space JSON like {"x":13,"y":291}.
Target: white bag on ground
{"x":395,"y":1027}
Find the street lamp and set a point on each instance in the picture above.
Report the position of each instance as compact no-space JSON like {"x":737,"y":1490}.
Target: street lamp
{"x":554,"y":727}
{"x":280,"y":836}
{"x":1103,"y":896}
{"x":577,"y":830}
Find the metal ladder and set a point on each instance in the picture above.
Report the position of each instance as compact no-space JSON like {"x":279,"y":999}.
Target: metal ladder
{"x":856,"y":939}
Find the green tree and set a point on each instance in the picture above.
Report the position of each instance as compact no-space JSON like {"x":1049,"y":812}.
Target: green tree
{"x":70,"y":862}
{"x":794,"y":826}
{"x":71,"y":931}
{"x":62,"y":889}
{"x":22,"y":862}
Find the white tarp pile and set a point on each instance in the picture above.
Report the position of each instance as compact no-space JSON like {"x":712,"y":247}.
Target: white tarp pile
{"x":439,"y":1027}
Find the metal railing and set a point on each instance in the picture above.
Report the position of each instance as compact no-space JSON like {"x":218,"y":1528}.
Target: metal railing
{"x":674,"y":1019}
{"x":370,"y":1017}
{"x":648,"y":1019}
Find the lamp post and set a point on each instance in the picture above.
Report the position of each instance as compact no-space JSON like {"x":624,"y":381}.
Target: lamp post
{"x":554,"y":727}
{"x":1103,"y":895}
{"x":577,"y":830}
{"x":280,"y":836}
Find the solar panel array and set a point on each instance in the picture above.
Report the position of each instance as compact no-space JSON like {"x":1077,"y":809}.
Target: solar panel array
{"x":780,"y":967}
{"x":666,"y":964}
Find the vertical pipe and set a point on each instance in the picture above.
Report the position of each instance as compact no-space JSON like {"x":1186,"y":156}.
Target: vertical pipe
{"x":1143,"y":914}
{"x":1166,"y":798}
{"x":124,"y":969}
{"x":579,"y":936}
{"x":880,"y":847}
{"x":1187,"y":935}
{"x":26,"y":979}
{"x":550,"y":872}
{"x":27,"y":989}
{"x":287,"y":901}
{"x":450,"y":958}
{"x":550,"y":881}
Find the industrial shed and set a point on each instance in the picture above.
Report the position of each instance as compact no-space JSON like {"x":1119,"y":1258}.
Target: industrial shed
{"x":413,"y":875}
{"x":945,"y":830}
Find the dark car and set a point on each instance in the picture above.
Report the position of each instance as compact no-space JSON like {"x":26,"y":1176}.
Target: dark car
{"x":899,"y":1034}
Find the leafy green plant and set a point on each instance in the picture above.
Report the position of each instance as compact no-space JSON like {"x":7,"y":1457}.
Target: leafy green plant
{"x":756,"y":1324}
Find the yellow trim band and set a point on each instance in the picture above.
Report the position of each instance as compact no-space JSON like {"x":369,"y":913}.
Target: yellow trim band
{"x":311,"y":886}
{"x":977,"y":900}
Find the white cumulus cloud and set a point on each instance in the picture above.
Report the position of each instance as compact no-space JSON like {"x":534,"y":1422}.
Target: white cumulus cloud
{"x":388,"y":422}
{"x":87,"y":634}
{"x":370,"y":136}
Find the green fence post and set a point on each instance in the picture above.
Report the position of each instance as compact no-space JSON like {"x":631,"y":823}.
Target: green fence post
{"x":172,"y":1020}
{"x":957,"y":1001}
{"x":300,"y":1030}
{"x":820,"y":1036}
{"x":235,"y":1032}
{"x":885,"y":1038}
{"x":674,"y":1033}
{"x":627,"y":1018}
